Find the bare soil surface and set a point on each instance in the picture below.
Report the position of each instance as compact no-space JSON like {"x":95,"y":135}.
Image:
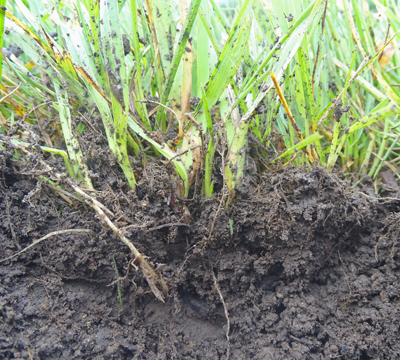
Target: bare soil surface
{"x":302,"y":266}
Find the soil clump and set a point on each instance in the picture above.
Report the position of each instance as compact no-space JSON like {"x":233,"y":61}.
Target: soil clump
{"x":301,"y":266}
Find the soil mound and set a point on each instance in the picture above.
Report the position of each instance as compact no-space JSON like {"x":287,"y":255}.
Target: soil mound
{"x":290,"y":271}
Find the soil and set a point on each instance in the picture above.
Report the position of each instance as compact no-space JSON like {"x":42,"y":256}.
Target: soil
{"x":301,"y":266}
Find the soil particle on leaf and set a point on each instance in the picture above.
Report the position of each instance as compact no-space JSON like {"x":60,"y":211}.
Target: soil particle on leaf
{"x":295,"y":262}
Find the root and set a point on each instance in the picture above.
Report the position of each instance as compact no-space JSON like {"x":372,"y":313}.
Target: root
{"x":393,"y":230}
{"x":121,"y":279}
{"x":155,"y":281}
{"x":11,"y":225}
{"x":228,"y":323}
{"x":44,"y":238}
{"x":167,"y":225}
{"x":220,"y":202}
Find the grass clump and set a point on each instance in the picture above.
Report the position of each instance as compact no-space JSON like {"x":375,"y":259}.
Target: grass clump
{"x":114,"y":58}
{"x":210,"y":91}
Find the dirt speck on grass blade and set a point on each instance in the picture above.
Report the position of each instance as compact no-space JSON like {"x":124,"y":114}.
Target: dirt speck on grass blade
{"x":296,"y":269}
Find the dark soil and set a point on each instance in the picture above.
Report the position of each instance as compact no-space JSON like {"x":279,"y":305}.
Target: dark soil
{"x":296,"y":269}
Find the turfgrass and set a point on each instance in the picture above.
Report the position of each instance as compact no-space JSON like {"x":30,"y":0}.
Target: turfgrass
{"x":111,"y":57}
{"x":206,"y":91}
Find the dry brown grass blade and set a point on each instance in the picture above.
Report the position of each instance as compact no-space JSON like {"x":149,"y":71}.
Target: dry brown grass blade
{"x":291,"y":159}
{"x":318,"y":52}
{"x":9,"y":94}
{"x":386,"y":55}
{"x":186,"y":82}
{"x":198,"y":154}
{"x":53,"y":48}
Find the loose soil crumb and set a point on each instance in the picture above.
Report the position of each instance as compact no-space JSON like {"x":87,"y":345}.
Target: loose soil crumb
{"x":295,"y":261}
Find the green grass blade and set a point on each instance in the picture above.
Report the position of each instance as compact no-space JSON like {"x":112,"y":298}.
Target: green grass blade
{"x":280,"y":12}
{"x":220,"y":16}
{"x":184,"y":36}
{"x":263,"y":22}
{"x":2,"y":21}
{"x":208,"y":185}
{"x":165,"y":151}
{"x":374,"y":116}
{"x":300,"y":145}
{"x":228,"y":63}
{"x":290,"y":43}
{"x":388,"y":152}
{"x":361,"y":81}
{"x":112,"y":51}
{"x":73,"y":147}
{"x":339,"y":121}
{"x":164,"y":25}
{"x":203,"y":39}
{"x":62,"y":153}
{"x":243,"y":11}
{"x":138,"y":93}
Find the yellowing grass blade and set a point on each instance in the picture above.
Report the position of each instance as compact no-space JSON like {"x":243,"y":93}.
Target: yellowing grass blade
{"x":19,"y":109}
{"x":24,"y":27}
{"x":290,"y":116}
{"x":87,"y":77}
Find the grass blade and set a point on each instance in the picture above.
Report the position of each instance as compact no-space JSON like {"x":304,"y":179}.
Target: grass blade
{"x":184,"y":36}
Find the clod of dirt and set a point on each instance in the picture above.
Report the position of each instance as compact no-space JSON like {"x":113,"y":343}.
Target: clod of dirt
{"x":126,"y":44}
{"x":13,"y":49}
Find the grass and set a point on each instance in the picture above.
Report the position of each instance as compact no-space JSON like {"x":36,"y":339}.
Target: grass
{"x":118,"y":284}
{"x":210,"y":92}
{"x":335,"y":70}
